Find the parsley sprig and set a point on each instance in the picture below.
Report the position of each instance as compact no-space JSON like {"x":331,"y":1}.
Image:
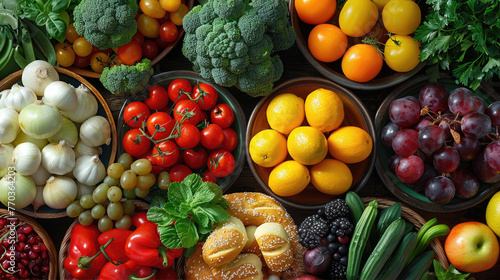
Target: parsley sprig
{"x":462,"y":36}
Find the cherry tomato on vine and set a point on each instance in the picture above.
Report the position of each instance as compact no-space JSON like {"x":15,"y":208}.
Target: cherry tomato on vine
{"x":65,"y":56}
{"x":212,"y":136}
{"x":362,"y":62}
{"x":165,"y":154}
{"x":176,"y":86}
{"x":158,"y":97}
{"x":71,"y":34}
{"x":222,"y":115}
{"x":327,"y":42}
{"x":152,"y":8}
{"x":177,"y":16}
{"x":206,"y":96}
{"x":155,"y":168}
{"x":139,"y":38}
{"x":401,"y":53}
{"x":81,"y":62}
{"x":149,"y":49}
{"x":170,"y":5}
{"x":135,"y":143}
{"x":221,"y":163}
{"x":135,"y":114}
{"x":209,"y":177}
{"x":99,"y":61}
{"x":195,"y":158}
{"x":82,"y":47}
{"x":315,"y":11}
{"x":168,"y":31}
{"x":178,"y":172}
{"x":162,"y":124}
{"x":130,"y":53}
{"x":189,"y":138}
{"x":230,"y":140}
{"x":148,"y":26}
{"x":203,"y":117}
{"x":187,"y":111}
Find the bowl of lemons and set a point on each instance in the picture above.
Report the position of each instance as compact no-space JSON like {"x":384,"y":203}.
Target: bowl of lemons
{"x":310,"y":141}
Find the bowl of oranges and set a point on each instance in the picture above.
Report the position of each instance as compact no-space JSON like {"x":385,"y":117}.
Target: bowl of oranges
{"x":310,"y":141}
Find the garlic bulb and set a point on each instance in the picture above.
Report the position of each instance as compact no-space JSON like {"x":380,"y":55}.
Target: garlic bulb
{"x":68,"y":132}
{"x":9,"y":125}
{"x":59,"y":192}
{"x":40,"y":120}
{"x":84,"y":189}
{"x":22,"y":137}
{"x":38,"y":75}
{"x":41,"y":176}
{"x":84,"y":150}
{"x":23,"y":187}
{"x":5,"y":158}
{"x":95,"y":132}
{"x":89,"y":170}
{"x":38,"y":201}
{"x":86,"y":108}
{"x":58,"y":158}
{"x":60,"y":95}
{"x":3,"y":95}
{"x":19,"y":97}
{"x":26,"y":158}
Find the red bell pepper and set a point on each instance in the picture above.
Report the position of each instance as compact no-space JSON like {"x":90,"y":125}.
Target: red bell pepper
{"x":166,"y":274}
{"x":126,"y":271}
{"x":140,"y":218}
{"x":84,"y":260}
{"x":116,"y":250}
{"x":145,"y":248}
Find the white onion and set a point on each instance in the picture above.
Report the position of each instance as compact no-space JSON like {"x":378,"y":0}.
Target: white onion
{"x":41,"y":176}
{"x":60,"y":95}
{"x":89,"y":170}
{"x":95,"y":131}
{"x":40,"y":120}
{"x":19,"y":97}
{"x":22,"y":137}
{"x":84,"y":150}
{"x":26,"y":158}
{"x":58,"y":158}
{"x":5,"y":158}
{"x":68,"y":132}
{"x":86,"y":108}
{"x":24,"y":190}
{"x":38,"y":75}
{"x":9,"y":125}
{"x":59,"y":192}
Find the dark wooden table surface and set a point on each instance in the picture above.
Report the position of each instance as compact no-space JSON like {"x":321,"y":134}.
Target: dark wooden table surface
{"x":295,"y":66}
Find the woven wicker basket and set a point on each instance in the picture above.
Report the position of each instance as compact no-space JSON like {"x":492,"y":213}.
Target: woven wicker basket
{"x":51,"y":249}
{"x":413,"y":217}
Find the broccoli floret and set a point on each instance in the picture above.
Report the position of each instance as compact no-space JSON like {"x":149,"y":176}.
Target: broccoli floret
{"x":204,"y":62}
{"x":191,"y":21}
{"x":278,"y":67}
{"x":238,"y":65}
{"x":270,"y":11}
{"x":202,"y":31}
{"x":125,"y":79}
{"x":106,"y":23}
{"x":284,"y":39}
{"x":229,"y":9}
{"x":252,"y":28}
{"x":207,"y":13}
{"x":223,"y":77}
{"x":261,"y":51}
{"x":206,"y":73}
{"x":257,"y":79}
{"x":189,"y":47}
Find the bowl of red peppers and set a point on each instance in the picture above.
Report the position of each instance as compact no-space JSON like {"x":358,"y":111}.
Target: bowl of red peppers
{"x":87,"y":253}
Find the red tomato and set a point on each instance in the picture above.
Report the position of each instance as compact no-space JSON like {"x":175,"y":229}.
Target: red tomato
{"x":221,"y":163}
{"x":168,"y":31}
{"x":212,"y":136}
{"x":189,"y":138}
{"x":135,"y":143}
{"x":138,"y":37}
{"x":206,"y":96}
{"x":222,"y":115}
{"x":161,"y":43}
{"x":176,"y":86}
{"x":135,"y":114}
{"x":140,"y":218}
{"x":130,"y":53}
{"x":165,"y":154}
{"x":209,"y":177}
{"x":230,"y":140}
{"x":203,"y":117}
{"x":196,"y":158}
{"x":149,"y":49}
{"x":158,"y":97}
{"x":178,"y":172}
{"x":156,"y":169}
{"x":82,"y":62}
{"x":187,"y":111}
{"x":162,"y":123}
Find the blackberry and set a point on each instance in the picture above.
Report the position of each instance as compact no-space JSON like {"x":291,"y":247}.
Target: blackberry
{"x":337,"y":271}
{"x":311,"y":230}
{"x":336,"y":209}
{"x":341,"y":227}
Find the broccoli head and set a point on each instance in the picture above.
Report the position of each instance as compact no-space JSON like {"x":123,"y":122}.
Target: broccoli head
{"x":106,"y":23}
{"x":125,"y":79}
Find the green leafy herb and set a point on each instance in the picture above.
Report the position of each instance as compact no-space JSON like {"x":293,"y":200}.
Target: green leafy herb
{"x":451,"y":274}
{"x":462,"y":36}
{"x":194,"y":205}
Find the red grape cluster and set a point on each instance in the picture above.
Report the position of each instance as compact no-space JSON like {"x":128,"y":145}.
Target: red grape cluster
{"x":437,"y":138}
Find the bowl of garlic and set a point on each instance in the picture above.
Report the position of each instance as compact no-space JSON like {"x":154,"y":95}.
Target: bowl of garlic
{"x":57,"y":137}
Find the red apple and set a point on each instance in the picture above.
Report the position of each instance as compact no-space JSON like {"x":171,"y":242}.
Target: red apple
{"x":472,"y":247}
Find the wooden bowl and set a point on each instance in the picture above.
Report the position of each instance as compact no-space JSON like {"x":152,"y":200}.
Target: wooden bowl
{"x":355,"y":115}
{"x":87,"y":72}
{"x":108,"y":151}
{"x":51,"y":249}
{"x":333,"y":71}
{"x":414,"y":218}
{"x":401,"y":190}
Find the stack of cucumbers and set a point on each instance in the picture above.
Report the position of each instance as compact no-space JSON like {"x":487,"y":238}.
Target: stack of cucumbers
{"x":385,"y":246}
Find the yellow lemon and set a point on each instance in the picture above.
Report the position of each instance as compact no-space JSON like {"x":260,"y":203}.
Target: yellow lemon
{"x":268,"y":148}
{"x":307,"y":145}
{"x":493,"y":213}
{"x":324,"y":110}
{"x":331,"y":176}
{"x":289,"y":178}
{"x":350,"y":144}
{"x":285,"y":112}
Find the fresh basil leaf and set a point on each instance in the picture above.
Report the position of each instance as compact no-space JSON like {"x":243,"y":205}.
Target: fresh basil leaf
{"x":160,"y":216}
{"x":157,"y":201}
{"x":60,"y":5}
{"x":202,"y":195}
{"x":169,"y":237}
{"x":200,"y":217}
{"x":41,"y":19}
{"x":184,"y":208}
{"x":193,"y":181}
{"x":172,"y":210}
{"x":56,"y":27}
{"x":186,"y":230}
{"x":178,"y":193}
{"x":217,"y":213}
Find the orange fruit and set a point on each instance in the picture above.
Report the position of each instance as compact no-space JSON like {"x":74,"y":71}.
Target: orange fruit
{"x":307,"y":145}
{"x":350,"y":144}
{"x":331,"y":176}
{"x":285,"y":112}
{"x":324,"y":110}
{"x":268,"y":148}
{"x":289,"y":178}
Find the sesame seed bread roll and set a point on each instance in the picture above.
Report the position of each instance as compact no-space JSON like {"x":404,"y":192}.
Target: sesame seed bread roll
{"x":275,"y":246}
{"x":252,"y":246}
{"x":225,"y":242}
{"x":244,"y":267}
{"x":196,"y":268}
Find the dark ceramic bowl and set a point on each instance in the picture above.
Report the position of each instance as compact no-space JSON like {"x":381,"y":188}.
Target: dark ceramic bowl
{"x":333,"y":71}
{"x":402,"y":190}
{"x":355,"y":115}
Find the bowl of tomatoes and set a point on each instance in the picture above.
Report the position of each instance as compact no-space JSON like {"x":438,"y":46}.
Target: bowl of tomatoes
{"x":159,"y":29}
{"x":184,"y":124}
{"x":349,"y":43}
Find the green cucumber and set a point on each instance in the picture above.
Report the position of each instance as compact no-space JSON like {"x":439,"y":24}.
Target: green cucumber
{"x":387,"y":216}
{"x":355,"y":205}
{"x":418,"y":266}
{"x":393,"y":267}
